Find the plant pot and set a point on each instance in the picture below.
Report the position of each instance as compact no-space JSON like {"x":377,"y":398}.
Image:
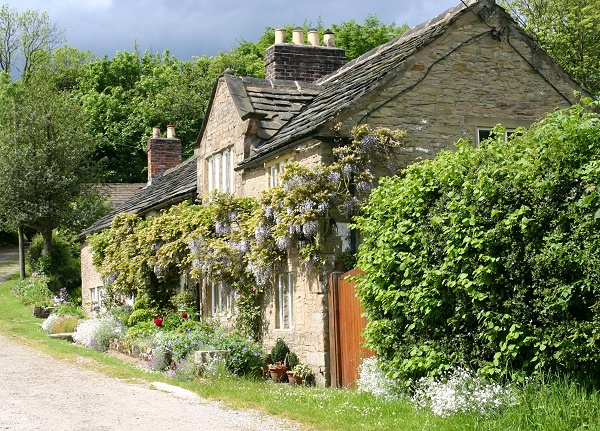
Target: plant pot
{"x":277,"y":373}
{"x":294,"y":380}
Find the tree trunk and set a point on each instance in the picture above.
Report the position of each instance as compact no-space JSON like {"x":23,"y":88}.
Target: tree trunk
{"x":21,"y":253}
{"x":46,"y":232}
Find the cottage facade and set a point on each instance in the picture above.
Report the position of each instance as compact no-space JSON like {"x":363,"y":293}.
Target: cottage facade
{"x":455,"y":76}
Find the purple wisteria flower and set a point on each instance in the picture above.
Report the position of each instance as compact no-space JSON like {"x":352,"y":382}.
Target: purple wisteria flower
{"x":310,"y":228}
{"x":195,"y":245}
{"x":283,"y":243}
{"x":364,"y":186}
{"x":306,"y":206}
{"x":222,"y":228}
{"x":323,"y":207}
{"x":261,"y":233}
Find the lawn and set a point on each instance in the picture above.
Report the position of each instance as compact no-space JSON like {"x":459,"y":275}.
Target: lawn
{"x":557,"y":405}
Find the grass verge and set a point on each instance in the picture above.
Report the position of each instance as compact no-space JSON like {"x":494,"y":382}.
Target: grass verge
{"x":559,"y":405}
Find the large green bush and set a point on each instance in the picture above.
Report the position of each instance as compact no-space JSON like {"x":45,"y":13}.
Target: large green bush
{"x":62,"y":266}
{"x":489,"y":257}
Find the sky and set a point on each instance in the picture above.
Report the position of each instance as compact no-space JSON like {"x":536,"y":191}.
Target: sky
{"x":189,"y":28}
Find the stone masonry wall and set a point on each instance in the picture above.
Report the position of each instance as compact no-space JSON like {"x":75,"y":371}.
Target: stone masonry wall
{"x":455,"y":89}
{"x":90,"y":278}
{"x":224,"y":129}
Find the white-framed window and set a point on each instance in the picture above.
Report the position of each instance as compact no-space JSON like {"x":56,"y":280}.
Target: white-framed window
{"x":485,"y":132}
{"x":274,"y":172}
{"x":220,"y":171}
{"x":222,"y":299}
{"x":284,"y":301}
{"x":96,"y":298}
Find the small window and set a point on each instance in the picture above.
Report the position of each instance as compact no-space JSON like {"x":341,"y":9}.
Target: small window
{"x":222,"y":299}
{"x":284,"y":305}
{"x":484,"y":133}
{"x":274,"y":172}
{"x":220,"y":172}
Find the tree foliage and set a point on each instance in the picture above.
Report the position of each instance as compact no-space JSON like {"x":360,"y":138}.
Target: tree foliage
{"x":124,"y":97}
{"x":356,"y":39}
{"x":488,"y":257}
{"x":569,"y":30}
{"x":26,"y":39}
{"x":45,"y":162}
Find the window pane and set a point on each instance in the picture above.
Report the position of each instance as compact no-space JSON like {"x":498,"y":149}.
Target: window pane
{"x":211,"y":183}
{"x":231,"y":172}
{"x":225,"y":172}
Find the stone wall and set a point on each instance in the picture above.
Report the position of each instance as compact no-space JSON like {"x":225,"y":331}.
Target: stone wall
{"x":90,"y":278}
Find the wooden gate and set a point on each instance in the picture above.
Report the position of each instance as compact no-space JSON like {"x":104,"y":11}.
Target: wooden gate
{"x":345,"y":327}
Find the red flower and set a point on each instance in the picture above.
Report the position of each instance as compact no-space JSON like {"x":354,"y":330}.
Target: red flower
{"x":184,"y":315}
{"x":158,"y":321}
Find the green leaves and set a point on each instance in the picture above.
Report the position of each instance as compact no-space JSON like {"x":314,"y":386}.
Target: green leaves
{"x":484,"y":252}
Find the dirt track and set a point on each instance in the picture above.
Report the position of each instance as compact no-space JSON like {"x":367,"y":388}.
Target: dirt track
{"x":38,"y":392}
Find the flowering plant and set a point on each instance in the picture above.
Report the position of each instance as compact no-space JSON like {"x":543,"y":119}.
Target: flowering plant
{"x":96,"y":333}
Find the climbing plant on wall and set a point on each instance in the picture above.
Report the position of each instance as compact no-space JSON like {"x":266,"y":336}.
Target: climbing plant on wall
{"x":239,"y":243}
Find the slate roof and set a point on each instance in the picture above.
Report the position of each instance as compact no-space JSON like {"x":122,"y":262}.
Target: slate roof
{"x":117,"y":193}
{"x":174,"y":185}
{"x":356,"y":79}
{"x":274,"y":103}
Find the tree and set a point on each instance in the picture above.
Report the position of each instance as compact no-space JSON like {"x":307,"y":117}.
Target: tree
{"x":45,"y":155}
{"x":569,"y":30}
{"x":26,"y":40}
{"x":124,"y":97}
{"x":356,"y":39}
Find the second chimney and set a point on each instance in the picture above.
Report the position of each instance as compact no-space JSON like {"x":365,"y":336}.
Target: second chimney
{"x":299,"y":62}
{"x":163,"y":153}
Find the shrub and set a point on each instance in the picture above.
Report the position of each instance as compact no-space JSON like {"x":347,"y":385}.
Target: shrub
{"x":34,"y":291}
{"x":140,"y":315}
{"x":246,"y":357}
{"x":122,"y":312}
{"x":63,"y":266}
{"x":279,"y":351}
{"x":292,"y":360}
{"x":141,"y":331}
{"x":70,"y":310}
{"x":96,"y":333}
{"x":487,"y":258}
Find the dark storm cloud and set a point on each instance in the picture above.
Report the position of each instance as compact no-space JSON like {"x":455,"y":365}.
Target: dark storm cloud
{"x":194,"y":28}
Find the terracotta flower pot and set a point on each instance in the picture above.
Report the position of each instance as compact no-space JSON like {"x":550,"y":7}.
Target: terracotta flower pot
{"x":293,"y":380}
{"x":277,"y":373}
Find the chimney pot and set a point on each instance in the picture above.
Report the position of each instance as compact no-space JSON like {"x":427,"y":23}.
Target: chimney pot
{"x":298,"y":36}
{"x":156,"y":132}
{"x":329,"y":39}
{"x":279,"y":36}
{"x":313,"y":37}
{"x":170,"y":131}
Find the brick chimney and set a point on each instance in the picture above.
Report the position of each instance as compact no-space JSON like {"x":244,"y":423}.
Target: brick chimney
{"x":303,"y":62}
{"x":163,"y":153}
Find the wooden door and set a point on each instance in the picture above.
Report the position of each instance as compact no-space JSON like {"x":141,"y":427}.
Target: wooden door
{"x":345,"y":327}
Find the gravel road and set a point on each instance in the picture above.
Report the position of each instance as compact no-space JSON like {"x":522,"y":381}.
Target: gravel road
{"x":39,"y":392}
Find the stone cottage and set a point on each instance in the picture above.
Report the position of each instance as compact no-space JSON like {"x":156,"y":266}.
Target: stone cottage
{"x":455,"y":76}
